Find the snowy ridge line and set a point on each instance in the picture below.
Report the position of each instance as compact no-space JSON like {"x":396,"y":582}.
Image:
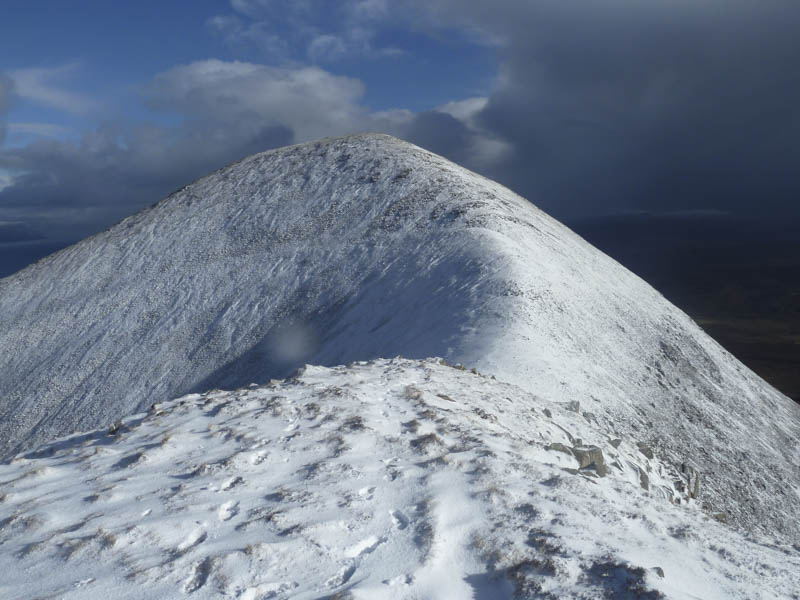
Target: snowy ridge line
{"x":384,"y":479}
{"x":363,"y":247}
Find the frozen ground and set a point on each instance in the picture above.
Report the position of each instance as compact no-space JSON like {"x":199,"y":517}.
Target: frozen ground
{"x":384,"y":479}
{"x":364,"y":247}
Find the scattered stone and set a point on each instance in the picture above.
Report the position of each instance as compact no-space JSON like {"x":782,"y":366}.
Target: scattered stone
{"x":484,"y":415}
{"x":354,"y":423}
{"x":559,"y":447}
{"x":644,"y":480}
{"x":692,"y":476}
{"x":720,"y":516}
{"x":413,"y":393}
{"x":590,"y":417}
{"x":645,"y":449}
{"x":423,"y":442}
{"x":591,"y":457}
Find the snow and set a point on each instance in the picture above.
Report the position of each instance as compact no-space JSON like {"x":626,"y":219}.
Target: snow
{"x":388,"y":478}
{"x":383,"y":479}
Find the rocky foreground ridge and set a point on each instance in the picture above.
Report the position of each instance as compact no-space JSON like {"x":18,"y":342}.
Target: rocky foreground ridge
{"x":382,"y":479}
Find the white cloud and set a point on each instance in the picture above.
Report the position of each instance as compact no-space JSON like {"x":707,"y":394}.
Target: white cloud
{"x":464,"y":110}
{"x":317,"y":30}
{"x":5,"y":179}
{"x":327,"y":48}
{"x":41,"y":85}
{"x":309,"y":100}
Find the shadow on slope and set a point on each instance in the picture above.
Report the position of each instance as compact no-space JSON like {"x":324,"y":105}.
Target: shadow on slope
{"x":402,"y":308}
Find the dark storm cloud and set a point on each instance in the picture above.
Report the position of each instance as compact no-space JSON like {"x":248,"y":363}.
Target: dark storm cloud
{"x":6,"y":85}
{"x":11,"y":233}
{"x":71,"y":190}
{"x":620,"y":104}
{"x":440,"y":133}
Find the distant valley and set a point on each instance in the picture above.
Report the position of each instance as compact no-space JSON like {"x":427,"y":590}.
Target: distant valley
{"x":739,"y":280}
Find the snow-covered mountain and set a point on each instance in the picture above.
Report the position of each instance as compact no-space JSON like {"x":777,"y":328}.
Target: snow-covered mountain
{"x":363,"y":247}
{"x":388,"y":479}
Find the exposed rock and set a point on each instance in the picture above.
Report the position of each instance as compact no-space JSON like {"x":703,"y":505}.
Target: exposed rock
{"x":559,"y":447}
{"x":644,"y":480}
{"x":645,"y":449}
{"x":591,"y":457}
{"x":547,"y":413}
{"x":658,"y":571}
{"x":720,"y":516}
{"x":574,"y":406}
{"x":615,"y":442}
{"x":692,"y":477}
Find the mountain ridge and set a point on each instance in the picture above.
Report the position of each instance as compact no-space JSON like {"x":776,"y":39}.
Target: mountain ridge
{"x":366,"y":246}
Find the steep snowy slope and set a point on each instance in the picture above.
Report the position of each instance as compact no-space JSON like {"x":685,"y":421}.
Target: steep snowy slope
{"x":366,"y":246}
{"x":391,"y":479}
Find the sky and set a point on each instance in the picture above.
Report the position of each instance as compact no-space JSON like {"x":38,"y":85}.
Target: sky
{"x":586,"y":107}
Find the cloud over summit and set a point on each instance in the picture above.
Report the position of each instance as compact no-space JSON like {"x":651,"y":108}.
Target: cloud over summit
{"x":594,"y":107}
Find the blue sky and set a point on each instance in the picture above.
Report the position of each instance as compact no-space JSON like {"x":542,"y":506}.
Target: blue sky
{"x":90,"y":59}
{"x":588,"y":107}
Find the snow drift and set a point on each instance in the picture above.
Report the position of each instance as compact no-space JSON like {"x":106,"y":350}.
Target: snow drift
{"x":366,"y":246}
{"x":380,"y":480}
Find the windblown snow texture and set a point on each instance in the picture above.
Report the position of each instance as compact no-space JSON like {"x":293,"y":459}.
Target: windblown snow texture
{"x":392,"y":479}
{"x":366,"y":246}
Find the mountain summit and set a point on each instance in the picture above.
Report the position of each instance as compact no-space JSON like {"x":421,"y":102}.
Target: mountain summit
{"x":366,"y":246}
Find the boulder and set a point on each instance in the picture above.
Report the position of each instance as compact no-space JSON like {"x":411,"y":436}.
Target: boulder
{"x":591,"y":457}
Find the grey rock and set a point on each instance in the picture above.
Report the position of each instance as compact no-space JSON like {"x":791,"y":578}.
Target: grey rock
{"x":591,"y":457}
{"x":559,"y":447}
{"x":658,"y":571}
{"x":645,"y":449}
{"x":692,"y":477}
{"x":615,"y":442}
{"x":721,"y":517}
{"x":644,"y":480}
